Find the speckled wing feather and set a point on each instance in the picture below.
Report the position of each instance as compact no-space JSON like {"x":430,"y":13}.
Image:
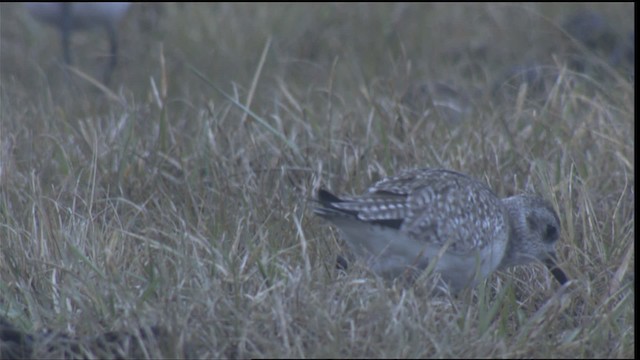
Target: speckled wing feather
{"x":432,"y":205}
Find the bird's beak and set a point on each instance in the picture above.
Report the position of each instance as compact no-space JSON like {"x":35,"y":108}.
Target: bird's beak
{"x":551,"y":263}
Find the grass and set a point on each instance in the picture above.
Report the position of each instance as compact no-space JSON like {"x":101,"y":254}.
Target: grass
{"x":171,"y":209}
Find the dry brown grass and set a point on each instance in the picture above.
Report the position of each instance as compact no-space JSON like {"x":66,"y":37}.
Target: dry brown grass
{"x":163,"y":203}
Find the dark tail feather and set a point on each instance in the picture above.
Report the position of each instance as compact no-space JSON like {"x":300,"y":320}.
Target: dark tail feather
{"x":327,"y":206}
{"x":326,"y":198}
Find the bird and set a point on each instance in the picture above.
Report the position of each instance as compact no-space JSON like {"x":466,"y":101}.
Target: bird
{"x":403,"y":224}
{"x":69,"y":17}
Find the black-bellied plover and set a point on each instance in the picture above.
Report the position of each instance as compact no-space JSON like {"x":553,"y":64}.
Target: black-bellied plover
{"x":68,"y":17}
{"x":403,"y":223}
